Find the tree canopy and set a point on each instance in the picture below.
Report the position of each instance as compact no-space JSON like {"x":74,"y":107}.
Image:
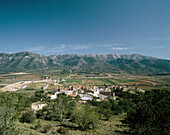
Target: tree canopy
{"x":151,"y":114}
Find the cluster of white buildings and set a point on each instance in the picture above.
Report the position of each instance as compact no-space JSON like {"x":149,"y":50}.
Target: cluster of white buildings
{"x":84,"y":93}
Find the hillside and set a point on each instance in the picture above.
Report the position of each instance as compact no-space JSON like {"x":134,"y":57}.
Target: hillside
{"x":110,"y":63}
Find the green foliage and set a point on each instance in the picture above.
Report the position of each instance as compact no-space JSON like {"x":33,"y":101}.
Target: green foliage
{"x":7,"y":117}
{"x":58,"y":110}
{"x":108,"y":108}
{"x":104,"y":109}
{"x":63,"y":130}
{"x":28,"y":116}
{"x":46,"y":128}
{"x":37,"y":125}
{"x":29,"y":88}
{"x":18,"y":101}
{"x":86,"y":118}
{"x":1,"y":86}
{"x":77,"y":98}
{"x":11,"y":105}
{"x":151,"y":115}
{"x":39,"y":93}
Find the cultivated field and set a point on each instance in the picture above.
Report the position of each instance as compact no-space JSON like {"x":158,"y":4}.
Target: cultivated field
{"x":132,"y":81}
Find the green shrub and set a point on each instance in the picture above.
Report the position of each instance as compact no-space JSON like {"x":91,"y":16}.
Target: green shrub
{"x":46,"y":128}
{"x":63,"y":130}
{"x":28,"y":116}
{"x":7,"y":120}
{"x":85,"y":118}
{"x":151,"y":114}
{"x":37,"y":125}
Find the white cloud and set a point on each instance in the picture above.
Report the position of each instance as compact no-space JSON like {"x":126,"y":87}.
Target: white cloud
{"x":111,"y":45}
{"x":119,"y":48}
{"x":156,"y":38}
{"x":80,"y":47}
{"x":157,"y":47}
{"x":166,"y":39}
{"x":159,"y":39}
{"x":62,"y":46}
{"x":37,"y":48}
{"x":59,"y":48}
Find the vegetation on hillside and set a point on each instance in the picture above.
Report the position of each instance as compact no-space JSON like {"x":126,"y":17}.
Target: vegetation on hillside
{"x":151,"y":114}
{"x":146,"y":113}
{"x":111,"y":63}
{"x":11,"y":106}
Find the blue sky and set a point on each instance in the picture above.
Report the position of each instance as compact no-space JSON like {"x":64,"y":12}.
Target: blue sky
{"x":86,"y":27}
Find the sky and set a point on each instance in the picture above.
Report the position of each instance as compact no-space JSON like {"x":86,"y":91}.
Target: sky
{"x":52,"y":27}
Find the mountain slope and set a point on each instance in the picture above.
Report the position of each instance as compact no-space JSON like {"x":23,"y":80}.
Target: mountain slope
{"x":111,"y":63}
{"x":22,"y":61}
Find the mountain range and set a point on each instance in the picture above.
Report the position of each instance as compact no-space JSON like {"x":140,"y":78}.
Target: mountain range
{"x":98,"y":63}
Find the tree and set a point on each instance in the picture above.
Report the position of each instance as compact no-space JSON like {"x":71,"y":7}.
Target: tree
{"x":39,"y":93}
{"x":77,"y":98}
{"x":151,"y":114}
{"x":86,"y":118}
{"x":28,"y":116}
{"x":107,"y":113}
{"x":7,"y":117}
{"x":19,"y":101}
{"x":11,"y":105}
{"x":58,"y":110}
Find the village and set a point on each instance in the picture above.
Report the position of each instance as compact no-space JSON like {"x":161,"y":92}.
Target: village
{"x":53,"y":87}
{"x":83,"y":92}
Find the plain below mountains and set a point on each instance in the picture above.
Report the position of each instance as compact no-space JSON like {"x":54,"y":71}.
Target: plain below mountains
{"x":99,"y":63}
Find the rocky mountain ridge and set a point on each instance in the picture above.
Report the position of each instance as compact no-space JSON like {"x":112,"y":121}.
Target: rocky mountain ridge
{"x":110,"y":63}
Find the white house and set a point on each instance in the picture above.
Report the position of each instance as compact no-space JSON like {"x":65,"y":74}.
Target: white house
{"x":86,"y":97}
{"x":55,"y":95}
{"x":68,"y":92}
{"x":96,"y":93}
{"x":36,"y":106}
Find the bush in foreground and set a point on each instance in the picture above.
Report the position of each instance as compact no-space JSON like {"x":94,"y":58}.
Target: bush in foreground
{"x":28,"y":116}
{"x":85,"y":118}
{"x":151,"y":115}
